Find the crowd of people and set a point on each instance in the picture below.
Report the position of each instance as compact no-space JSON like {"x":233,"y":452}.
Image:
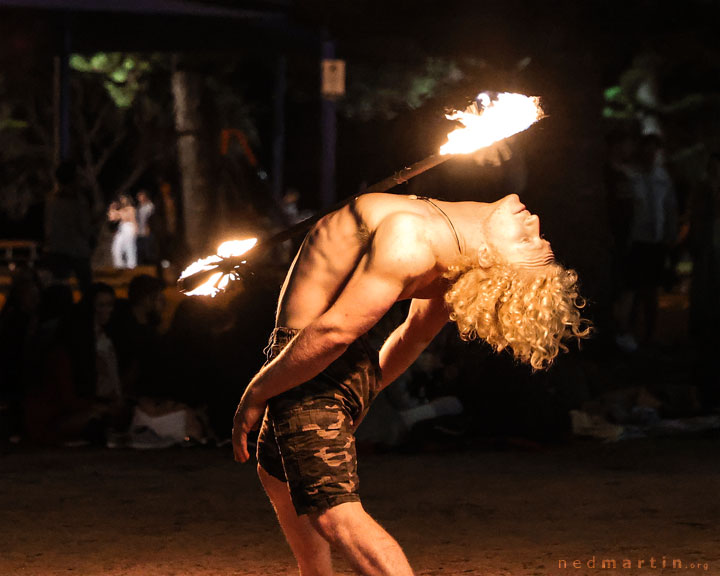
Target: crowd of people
{"x":123,"y":372}
{"x":102,"y":371}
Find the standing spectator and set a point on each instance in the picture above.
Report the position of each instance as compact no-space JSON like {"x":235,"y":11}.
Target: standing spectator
{"x":124,"y":247}
{"x":145,"y":237}
{"x":653,"y":232}
{"x":619,"y":196}
{"x":69,"y":237}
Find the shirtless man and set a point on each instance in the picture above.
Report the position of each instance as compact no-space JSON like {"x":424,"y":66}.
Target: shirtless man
{"x":484,"y":266}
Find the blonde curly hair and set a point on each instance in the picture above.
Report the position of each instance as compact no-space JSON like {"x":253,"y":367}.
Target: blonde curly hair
{"x":532,"y":311}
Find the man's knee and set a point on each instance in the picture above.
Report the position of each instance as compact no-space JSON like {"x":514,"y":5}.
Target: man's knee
{"x":337,"y":523}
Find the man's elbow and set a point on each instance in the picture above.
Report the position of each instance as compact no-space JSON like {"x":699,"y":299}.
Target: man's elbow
{"x":335,"y":336}
{"x":424,"y":333}
{"x":416,"y":338}
{"x":422,"y":341}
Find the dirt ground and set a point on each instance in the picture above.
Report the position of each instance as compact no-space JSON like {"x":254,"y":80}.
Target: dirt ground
{"x":479,"y":511}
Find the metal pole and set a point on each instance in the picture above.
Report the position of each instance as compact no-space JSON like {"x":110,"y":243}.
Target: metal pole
{"x":328,"y":138}
{"x":400,"y":177}
{"x":229,"y":264}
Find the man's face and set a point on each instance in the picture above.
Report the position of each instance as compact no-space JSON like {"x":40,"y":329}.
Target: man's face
{"x":513,"y":233}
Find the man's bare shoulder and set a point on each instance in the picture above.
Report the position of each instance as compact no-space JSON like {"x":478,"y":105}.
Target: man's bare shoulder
{"x":401,"y":246}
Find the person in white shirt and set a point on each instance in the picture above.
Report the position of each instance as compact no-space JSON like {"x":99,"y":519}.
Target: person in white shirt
{"x":124,"y":248}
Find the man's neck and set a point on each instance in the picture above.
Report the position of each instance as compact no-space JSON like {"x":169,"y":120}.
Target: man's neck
{"x":468,"y":219}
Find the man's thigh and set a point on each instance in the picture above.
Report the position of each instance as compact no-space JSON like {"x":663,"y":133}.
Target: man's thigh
{"x":312,"y":443}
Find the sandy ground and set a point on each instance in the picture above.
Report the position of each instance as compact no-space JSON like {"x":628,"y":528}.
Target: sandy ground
{"x":192,"y":511}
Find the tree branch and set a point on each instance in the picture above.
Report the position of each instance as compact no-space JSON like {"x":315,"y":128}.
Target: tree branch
{"x":133,"y":177}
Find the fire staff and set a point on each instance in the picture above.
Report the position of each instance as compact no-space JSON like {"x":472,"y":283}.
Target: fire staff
{"x":484,"y":266}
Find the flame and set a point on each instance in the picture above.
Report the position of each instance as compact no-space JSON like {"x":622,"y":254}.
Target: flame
{"x":220,"y":280}
{"x":235,"y":247}
{"x":493,"y":120}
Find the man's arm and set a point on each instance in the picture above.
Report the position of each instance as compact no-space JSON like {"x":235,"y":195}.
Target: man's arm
{"x":396,"y":258}
{"x":425,"y":319}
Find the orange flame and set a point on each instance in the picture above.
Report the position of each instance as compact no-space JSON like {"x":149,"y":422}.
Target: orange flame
{"x":235,"y":247}
{"x":220,"y":280}
{"x":495,"y":119}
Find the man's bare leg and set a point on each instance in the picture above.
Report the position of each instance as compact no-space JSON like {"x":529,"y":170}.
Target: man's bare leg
{"x":369,"y":549}
{"x":311,"y":550}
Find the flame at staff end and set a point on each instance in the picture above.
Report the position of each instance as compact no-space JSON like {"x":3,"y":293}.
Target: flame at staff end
{"x":235,"y":247}
{"x":493,"y":120}
{"x":218,"y":281}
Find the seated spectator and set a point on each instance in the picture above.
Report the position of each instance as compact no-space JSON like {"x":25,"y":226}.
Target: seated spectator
{"x":160,"y":417}
{"x":82,"y":399}
{"x":18,"y":325}
{"x":136,"y":326}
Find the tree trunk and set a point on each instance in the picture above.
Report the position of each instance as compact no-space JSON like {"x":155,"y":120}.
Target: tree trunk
{"x":196,"y":199}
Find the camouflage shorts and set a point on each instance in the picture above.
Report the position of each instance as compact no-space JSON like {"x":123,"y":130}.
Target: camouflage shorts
{"x":307,"y":437}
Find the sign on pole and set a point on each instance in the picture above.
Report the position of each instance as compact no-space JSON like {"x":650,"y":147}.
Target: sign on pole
{"x":333,"y":78}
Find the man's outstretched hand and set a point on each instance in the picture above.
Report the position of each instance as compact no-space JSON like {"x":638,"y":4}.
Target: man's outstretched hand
{"x":247,"y":418}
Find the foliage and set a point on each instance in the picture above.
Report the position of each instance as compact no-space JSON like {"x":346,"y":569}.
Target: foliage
{"x":686,"y":110}
{"x":113,"y":102}
{"x":684,"y":103}
{"x":387,"y":91}
{"x":618,"y":104}
{"x":119,"y":99}
{"x":25,"y":159}
{"x":121,"y":73}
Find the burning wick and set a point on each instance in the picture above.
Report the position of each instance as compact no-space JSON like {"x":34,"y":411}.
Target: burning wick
{"x":489,"y":119}
{"x":210,"y":277}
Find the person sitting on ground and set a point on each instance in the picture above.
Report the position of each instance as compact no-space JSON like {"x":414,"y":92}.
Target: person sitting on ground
{"x":137,"y":325}
{"x":82,"y":399}
{"x":19,"y":321}
{"x":146,"y":372}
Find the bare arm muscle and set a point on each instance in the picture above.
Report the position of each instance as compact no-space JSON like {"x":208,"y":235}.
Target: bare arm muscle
{"x":397,"y":257}
{"x":425,"y":319}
